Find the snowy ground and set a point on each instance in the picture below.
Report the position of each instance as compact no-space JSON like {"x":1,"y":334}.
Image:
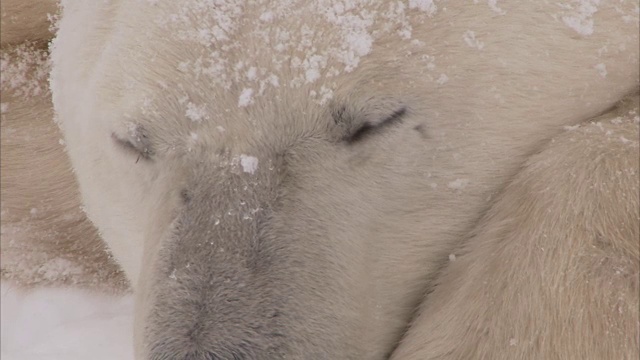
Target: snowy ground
{"x":64,"y":324}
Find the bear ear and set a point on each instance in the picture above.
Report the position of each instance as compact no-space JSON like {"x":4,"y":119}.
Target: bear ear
{"x":358,"y":121}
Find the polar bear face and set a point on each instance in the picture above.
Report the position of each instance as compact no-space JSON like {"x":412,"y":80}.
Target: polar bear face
{"x":248,"y":252}
{"x":277,"y":177}
{"x":244,"y":226}
{"x":265,"y":203}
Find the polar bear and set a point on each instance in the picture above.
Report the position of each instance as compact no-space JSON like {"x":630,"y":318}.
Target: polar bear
{"x":294,"y":179}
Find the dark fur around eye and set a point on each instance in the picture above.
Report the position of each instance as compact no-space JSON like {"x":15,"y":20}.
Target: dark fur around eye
{"x":142,"y":150}
{"x":368,"y":129}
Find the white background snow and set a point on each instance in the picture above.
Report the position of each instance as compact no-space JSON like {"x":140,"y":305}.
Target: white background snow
{"x":65,"y":324}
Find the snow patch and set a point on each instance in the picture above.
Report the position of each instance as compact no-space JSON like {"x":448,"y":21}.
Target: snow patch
{"x":312,"y":67}
{"x":442,"y":79}
{"x":246,"y":97}
{"x":249,"y":163}
{"x":601,"y":69}
{"x":64,"y":324}
{"x":252,"y":73}
{"x":267,"y":16}
{"x":323,"y":96}
{"x":580,"y":15}
{"x":493,"y":5}
{"x":471,"y":40}
{"x":196,"y":113}
{"x":458,"y":184}
{"x":301,"y":50}
{"x":424,"y":5}
{"x":25,"y":70}
{"x":356,"y":39}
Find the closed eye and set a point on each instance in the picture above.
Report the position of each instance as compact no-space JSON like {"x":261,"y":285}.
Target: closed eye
{"x":368,"y":128}
{"x":140,"y":150}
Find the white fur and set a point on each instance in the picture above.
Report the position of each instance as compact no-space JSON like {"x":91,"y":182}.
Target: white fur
{"x":370,"y":222}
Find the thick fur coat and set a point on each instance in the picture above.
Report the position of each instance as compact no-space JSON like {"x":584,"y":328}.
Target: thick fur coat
{"x":356,"y":180}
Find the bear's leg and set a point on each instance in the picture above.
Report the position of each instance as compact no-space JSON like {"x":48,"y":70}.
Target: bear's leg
{"x":551,"y":270}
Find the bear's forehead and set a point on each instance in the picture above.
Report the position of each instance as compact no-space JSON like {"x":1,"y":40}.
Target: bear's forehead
{"x":282,"y":43}
{"x":254,"y":49}
{"x":224,"y":66}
